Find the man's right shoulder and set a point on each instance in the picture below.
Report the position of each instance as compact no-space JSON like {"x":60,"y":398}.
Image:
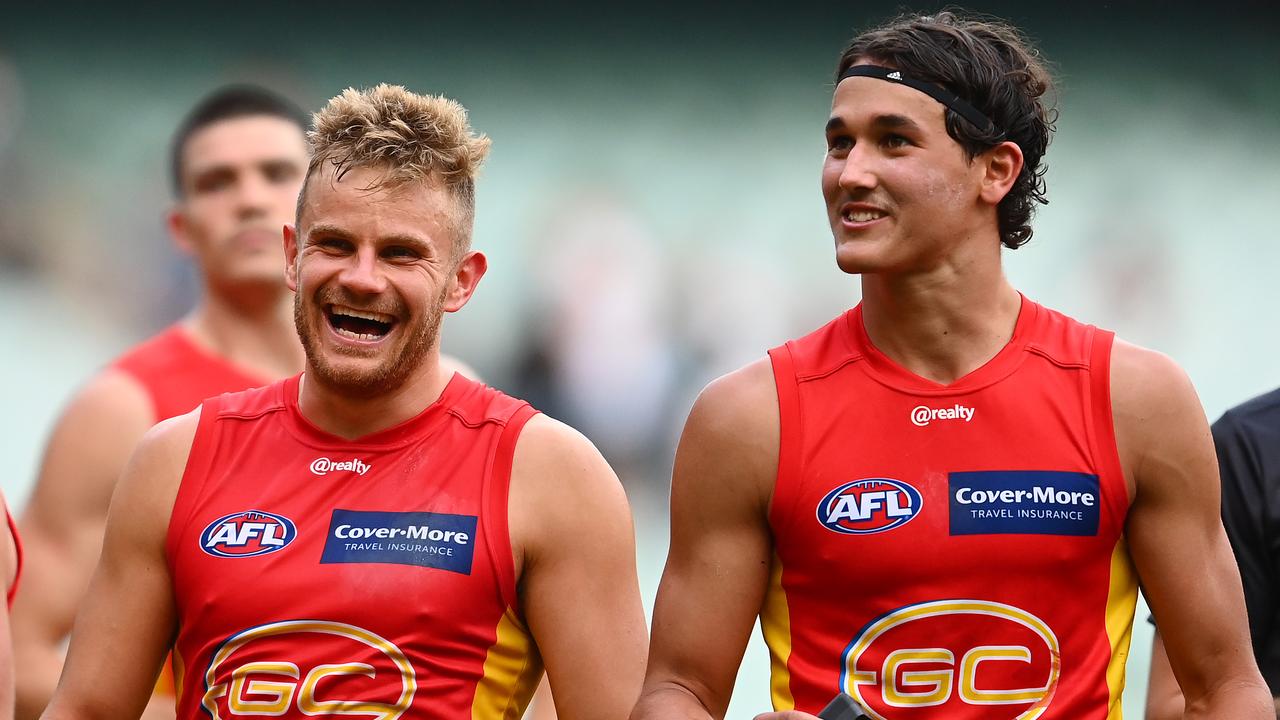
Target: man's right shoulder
{"x":741,"y":403}
{"x":733,"y":432}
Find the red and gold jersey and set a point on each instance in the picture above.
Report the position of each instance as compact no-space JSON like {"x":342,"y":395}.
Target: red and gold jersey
{"x":177,"y":374}
{"x":950,"y":551}
{"x":371,"y":578}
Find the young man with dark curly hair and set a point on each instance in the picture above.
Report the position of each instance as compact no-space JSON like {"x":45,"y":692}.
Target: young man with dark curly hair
{"x":941,"y":503}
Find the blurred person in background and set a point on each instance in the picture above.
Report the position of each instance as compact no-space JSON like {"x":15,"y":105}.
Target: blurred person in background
{"x":237,"y":162}
{"x":1247,"y":439}
{"x":379,"y":535}
{"x":941,"y":502}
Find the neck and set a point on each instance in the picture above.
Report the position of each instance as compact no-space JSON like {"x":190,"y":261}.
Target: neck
{"x":351,"y":415}
{"x":253,"y":330}
{"x":944,"y":323}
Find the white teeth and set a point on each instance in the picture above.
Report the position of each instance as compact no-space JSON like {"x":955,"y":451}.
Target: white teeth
{"x":362,"y":314}
{"x":863,"y":215}
{"x":356,"y":336}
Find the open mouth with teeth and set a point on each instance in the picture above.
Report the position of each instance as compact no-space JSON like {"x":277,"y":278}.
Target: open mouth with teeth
{"x":356,"y":324}
{"x":861,"y":216}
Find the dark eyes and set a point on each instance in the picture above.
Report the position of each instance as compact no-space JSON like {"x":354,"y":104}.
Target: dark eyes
{"x":399,"y":252}
{"x":843,"y":143}
{"x":333,"y":244}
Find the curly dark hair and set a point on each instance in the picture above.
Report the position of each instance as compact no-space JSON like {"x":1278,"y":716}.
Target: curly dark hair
{"x":997,"y":70}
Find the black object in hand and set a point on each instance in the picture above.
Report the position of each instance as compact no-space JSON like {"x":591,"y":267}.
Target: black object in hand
{"x":843,"y":707}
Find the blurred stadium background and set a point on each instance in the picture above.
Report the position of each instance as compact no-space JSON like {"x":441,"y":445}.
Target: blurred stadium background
{"x":651,"y":207}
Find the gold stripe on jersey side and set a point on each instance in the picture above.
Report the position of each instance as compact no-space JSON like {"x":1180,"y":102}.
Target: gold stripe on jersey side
{"x":179,"y":675}
{"x":511,"y":672}
{"x":775,"y":625}
{"x":1122,"y":599}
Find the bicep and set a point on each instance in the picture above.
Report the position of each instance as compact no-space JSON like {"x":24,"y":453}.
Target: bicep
{"x":1175,"y":534}
{"x":578,"y":583}
{"x":126,"y":622}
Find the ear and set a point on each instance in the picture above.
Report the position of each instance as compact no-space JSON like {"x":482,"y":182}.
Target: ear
{"x":1001,"y":166}
{"x":291,"y":257}
{"x":466,"y":276}
{"x":179,"y":230}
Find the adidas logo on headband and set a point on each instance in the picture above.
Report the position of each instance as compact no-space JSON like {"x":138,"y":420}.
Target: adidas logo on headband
{"x":937,"y":92}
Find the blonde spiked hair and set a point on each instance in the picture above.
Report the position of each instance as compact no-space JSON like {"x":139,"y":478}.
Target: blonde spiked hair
{"x":411,"y":136}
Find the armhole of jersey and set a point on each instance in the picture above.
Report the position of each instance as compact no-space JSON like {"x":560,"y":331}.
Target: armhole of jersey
{"x":787,"y":476}
{"x":196,"y":473}
{"x":17,"y":550}
{"x":1102,"y":433}
{"x":496,"y":506}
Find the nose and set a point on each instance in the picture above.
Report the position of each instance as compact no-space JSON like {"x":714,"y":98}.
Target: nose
{"x":362,"y":273}
{"x":253,"y":196}
{"x":858,"y":171}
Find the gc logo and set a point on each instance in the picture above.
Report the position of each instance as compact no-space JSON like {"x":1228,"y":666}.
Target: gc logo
{"x":922,"y":656}
{"x":249,"y":675}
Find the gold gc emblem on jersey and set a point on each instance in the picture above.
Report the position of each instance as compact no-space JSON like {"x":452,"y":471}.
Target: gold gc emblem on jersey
{"x":949,"y":654}
{"x":305,"y":668}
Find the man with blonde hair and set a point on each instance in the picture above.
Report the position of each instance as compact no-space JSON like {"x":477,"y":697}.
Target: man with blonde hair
{"x":373,"y":537}
{"x":237,"y":161}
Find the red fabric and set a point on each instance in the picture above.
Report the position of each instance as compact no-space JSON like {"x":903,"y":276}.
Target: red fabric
{"x":178,"y":374}
{"x":889,"y":612}
{"x":422,"y":631}
{"x":17,"y":546}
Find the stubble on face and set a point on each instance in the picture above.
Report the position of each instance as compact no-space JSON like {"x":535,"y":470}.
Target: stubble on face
{"x":390,"y":375}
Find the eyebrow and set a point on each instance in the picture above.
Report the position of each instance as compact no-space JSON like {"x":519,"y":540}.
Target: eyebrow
{"x":887,"y":121}
{"x":338,"y":232}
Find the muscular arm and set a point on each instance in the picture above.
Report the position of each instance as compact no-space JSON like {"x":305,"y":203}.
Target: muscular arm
{"x":571,"y":529}
{"x":1176,"y":538}
{"x":63,"y":523}
{"x":718,"y":566}
{"x":126,"y":622}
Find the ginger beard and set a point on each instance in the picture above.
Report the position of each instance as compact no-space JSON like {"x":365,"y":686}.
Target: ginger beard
{"x":418,"y":335}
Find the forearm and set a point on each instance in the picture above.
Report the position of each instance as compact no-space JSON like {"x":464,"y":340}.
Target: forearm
{"x":1239,"y":700}
{"x":669,"y":701}
{"x":36,"y":671}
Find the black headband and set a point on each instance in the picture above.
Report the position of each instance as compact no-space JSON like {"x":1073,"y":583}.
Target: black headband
{"x":937,"y":92}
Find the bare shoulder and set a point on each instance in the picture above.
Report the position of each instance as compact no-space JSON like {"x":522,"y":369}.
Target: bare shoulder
{"x":87,"y":449}
{"x":1161,"y":429}
{"x":563,"y":494}
{"x":732,"y":434}
{"x":739,"y":404}
{"x":158,"y":463}
{"x":559,"y":462}
{"x":1145,"y":382}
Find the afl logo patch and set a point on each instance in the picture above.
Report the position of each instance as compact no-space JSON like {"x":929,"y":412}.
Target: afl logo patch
{"x":870,"y":505}
{"x":247,"y":534}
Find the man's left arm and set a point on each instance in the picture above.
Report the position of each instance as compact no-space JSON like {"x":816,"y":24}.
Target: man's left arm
{"x":574,"y":546}
{"x":1176,"y":538}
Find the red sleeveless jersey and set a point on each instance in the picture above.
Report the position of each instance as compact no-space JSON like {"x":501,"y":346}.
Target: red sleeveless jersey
{"x":177,"y":374}
{"x":370,"y":578}
{"x":950,"y":552}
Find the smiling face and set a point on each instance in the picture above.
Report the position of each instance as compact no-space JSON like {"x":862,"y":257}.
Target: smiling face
{"x":373,"y":269}
{"x":240,"y":181}
{"x":900,"y":192}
